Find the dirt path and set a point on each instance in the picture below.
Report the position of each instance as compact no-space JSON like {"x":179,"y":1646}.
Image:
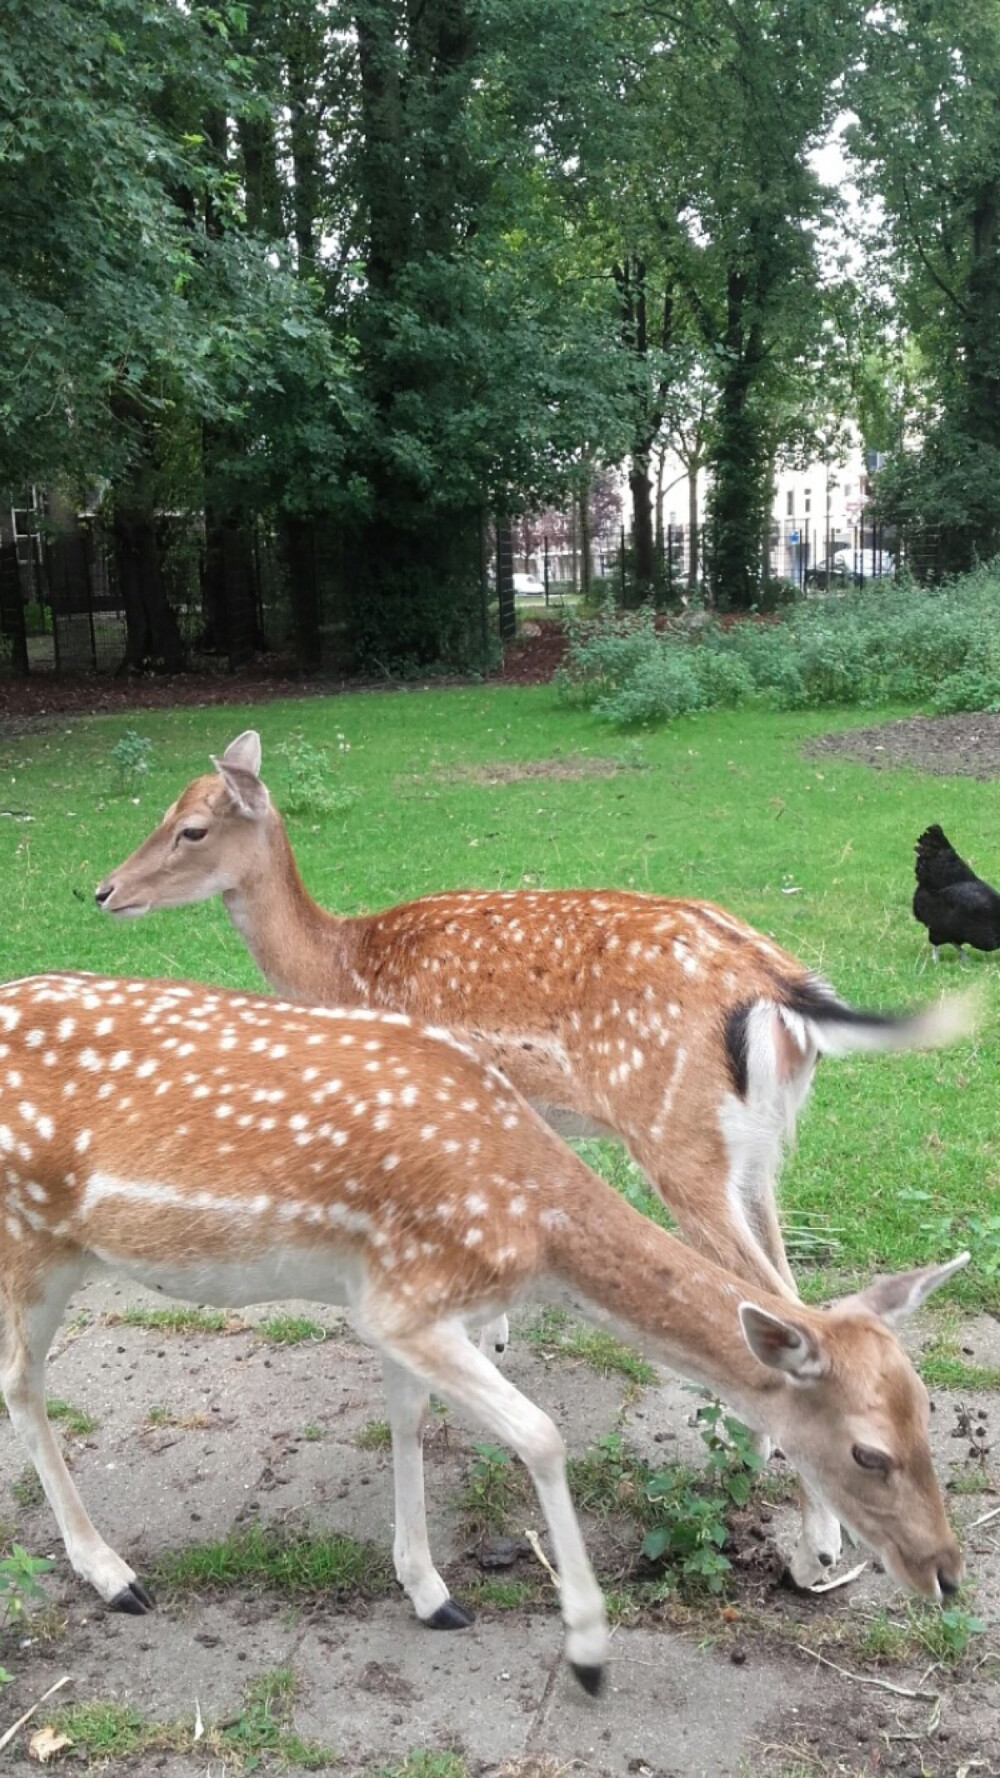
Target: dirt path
{"x":204,"y":1434}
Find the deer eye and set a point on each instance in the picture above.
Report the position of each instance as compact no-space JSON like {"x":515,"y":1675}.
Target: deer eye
{"x":193,"y":833}
{"x":868,"y":1458}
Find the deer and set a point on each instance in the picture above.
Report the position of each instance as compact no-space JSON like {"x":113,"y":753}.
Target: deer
{"x":665,"y":1023}
{"x":229,"y":1149}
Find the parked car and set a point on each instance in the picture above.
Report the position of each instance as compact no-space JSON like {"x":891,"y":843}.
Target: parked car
{"x":529,"y":585}
{"x":848,"y":567}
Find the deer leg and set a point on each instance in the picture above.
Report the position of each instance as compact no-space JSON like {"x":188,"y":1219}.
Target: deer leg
{"x":448,"y":1361}
{"x":29,"y":1331}
{"x":407,"y":1398}
{"x":495,"y":1333}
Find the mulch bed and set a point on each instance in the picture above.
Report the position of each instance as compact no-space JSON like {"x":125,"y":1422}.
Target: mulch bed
{"x":38,"y":700}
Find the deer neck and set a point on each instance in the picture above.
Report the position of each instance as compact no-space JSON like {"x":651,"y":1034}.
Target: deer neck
{"x":622,"y":1272}
{"x":304,"y":952}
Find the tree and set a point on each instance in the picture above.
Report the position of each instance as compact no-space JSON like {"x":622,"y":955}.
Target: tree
{"x":928,"y":140}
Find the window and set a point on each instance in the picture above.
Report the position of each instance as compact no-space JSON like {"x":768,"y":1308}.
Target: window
{"x":809,"y":500}
{"x":790,"y":503}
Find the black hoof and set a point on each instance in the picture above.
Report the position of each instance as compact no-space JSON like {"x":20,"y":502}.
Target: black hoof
{"x":449,"y":1616}
{"x":591,"y":1678}
{"x":133,"y":1599}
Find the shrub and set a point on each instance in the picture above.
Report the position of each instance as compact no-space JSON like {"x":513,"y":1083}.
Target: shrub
{"x":875,"y":645}
{"x":662,"y":684}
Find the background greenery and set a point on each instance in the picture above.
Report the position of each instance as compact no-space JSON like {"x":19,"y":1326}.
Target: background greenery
{"x":899,"y":1157}
{"x":373,"y":273}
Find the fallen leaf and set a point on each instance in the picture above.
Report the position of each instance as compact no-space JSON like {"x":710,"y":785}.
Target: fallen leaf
{"x":46,"y":1742}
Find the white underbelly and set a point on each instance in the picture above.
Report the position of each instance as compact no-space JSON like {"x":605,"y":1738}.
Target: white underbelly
{"x":572,"y":1123}
{"x":336,"y":1279}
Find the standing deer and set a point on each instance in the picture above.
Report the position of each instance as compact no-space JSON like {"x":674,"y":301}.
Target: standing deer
{"x":228,"y":1149}
{"x":665,"y":1023}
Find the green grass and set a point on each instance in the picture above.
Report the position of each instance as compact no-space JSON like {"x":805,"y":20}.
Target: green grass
{"x":942,"y":1367}
{"x":106,"y":1730}
{"x":375,"y":1435}
{"x":298,"y":1564}
{"x":900,"y":1154}
{"x":555,"y":1334}
{"x":173,"y":1321}
{"x":424,"y":1764}
{"x":292,"y":1330}
{"x":72,"y":1419}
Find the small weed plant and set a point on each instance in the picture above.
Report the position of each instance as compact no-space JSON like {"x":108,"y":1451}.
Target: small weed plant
{"x":131,"y":757}
{"x":495,"y":1484}
{"x":19,"y":1576}
{"x":691,"y":1527}
{"x":313,"y":785}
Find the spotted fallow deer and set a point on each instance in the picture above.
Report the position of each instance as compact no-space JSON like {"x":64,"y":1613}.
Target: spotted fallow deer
{"x":665,"y":1023}
{"x":229,"y":1149}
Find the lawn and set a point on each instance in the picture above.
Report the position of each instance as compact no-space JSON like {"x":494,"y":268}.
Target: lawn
{"x":898,"y":1157}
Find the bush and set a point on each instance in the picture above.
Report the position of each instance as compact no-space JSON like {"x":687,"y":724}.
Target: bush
{"x":662,"y":684}
{"x":871,"y":646}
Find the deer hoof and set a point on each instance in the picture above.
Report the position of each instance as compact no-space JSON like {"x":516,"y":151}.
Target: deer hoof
{"x":449,"y":1616}
{"x":133,"y":1600}
{"x":591,"y":1678}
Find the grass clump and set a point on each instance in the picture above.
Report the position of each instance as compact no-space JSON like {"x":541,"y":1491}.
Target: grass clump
{"x":173,"y":1321}
{"x":298,"y":1564}
{"x":497,"y":1483}
{"x":601,"y":1351}
{"x":376,"y":1435}
{"x":292,"y":1330}
{"x":106,"y":1730}
{"x":73,"y":1420}
{"x":426,"y":1764}
{"x":263,"y":1726}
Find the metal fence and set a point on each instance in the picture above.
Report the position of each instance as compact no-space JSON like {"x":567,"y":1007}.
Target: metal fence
{"x":63,"y":609}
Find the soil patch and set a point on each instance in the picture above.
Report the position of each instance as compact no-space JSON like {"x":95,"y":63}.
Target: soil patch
{"x":518,"y":771}
{"x":43,"y":700}
{"x":965,"y":746}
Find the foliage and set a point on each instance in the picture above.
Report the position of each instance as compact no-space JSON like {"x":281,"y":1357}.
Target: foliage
{"x":494,"y":1483}
{"x":294,"y":1562}
{"x":19,"y":1574}
{"x":690,"y":1528}
{"x":312,"y":785}
{"x":938,"y":646}
{"x":131,"y":757}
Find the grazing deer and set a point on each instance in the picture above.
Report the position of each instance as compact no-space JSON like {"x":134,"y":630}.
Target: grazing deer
{"x":665,"y":1023}
{"x":229,"y":1149}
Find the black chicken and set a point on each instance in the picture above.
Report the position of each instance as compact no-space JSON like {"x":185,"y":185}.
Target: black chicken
{"x":955,"y":905}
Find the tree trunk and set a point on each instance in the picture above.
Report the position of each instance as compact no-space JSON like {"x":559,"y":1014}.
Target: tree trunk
{"x":586,"y":563}
{"x":740,"y":459}
{"x":12,"y":626}
{"x":643,"y":543}
{"x":153,"y":639}
{"x":505,"y":581}
{"x":300,"y":551}
{"x":693,"y":537}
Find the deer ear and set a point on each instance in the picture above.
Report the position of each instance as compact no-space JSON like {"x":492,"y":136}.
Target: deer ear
{"x":894,"y":1297}
{"x":783,"y":1345}
{"x":243,"y":754}
{"x":246,"y":790}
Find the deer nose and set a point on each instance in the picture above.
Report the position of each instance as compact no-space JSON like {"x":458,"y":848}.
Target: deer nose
{"x":103,"y":893}
{"x":948,"y":1583}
